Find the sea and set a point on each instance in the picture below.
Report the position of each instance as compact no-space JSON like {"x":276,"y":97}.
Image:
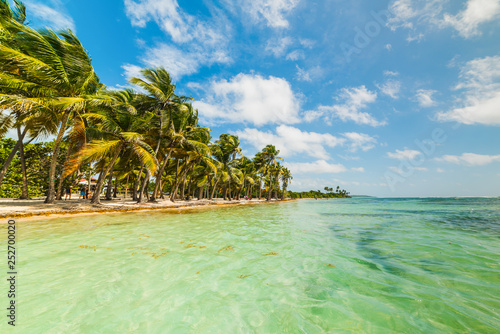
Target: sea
{"x":360,"y":265}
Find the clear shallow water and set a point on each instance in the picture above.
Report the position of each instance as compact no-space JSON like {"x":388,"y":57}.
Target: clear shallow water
{"x":335,"y":266}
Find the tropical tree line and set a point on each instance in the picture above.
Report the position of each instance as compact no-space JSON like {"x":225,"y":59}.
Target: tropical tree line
{"x":329,"y":193}
{"x":147,"y":141}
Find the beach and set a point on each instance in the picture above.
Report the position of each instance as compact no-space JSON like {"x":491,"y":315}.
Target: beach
{"x":14,"y":208}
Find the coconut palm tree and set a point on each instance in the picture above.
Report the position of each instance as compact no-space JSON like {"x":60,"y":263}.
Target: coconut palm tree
{"x":49,"y":71}
{"x":229,"y":149}
{"x":270,"y":161}
{"x":286,"y":176}
{"x":118,"y":130}
{"x":164,"y":103}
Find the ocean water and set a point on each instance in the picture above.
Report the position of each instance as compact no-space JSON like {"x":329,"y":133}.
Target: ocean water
{"x":361,"y":265}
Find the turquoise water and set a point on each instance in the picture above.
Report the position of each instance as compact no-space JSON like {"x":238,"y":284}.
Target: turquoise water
{"x":324,"y":266}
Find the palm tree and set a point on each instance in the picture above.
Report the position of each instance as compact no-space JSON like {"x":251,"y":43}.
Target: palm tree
{"x":286,"y":176}
{"x":229,"y":148}
{"x":118,"y":130}
{"x":270,"y":159}
{"x":164,"y":103}
{"x":49,"y":71}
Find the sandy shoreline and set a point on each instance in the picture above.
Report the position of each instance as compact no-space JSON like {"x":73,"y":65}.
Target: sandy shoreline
{"x":36,"y":208}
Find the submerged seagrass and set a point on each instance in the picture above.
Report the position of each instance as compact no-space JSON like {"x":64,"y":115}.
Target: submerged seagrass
{"x":361,"y":265}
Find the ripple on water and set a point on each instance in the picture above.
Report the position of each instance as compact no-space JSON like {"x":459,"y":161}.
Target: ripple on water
{"x":360,"y":265}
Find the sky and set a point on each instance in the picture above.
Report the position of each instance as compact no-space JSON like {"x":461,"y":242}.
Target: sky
{"x":383,"y":98}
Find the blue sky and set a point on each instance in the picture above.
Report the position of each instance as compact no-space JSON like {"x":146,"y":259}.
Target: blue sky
{"x":384,"y":98}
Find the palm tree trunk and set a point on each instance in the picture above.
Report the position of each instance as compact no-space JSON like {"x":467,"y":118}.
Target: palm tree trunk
{"x":182,"y":179}
{"x":11,"y":155}
{"x":53,"y":163}
{"x":110,"y":181}
{"x":143,"y":186}
{"x":59,"y":186}
{"x":126,"y":188}
{"x":96,"y":197}
{"x":25,"y":194}
{"x":159,"y":175}
{"x":229,"y":185}
{"x":136,"y":183}
{"x":269,"y":192}
{"x":260,"y":190}
{"x":213,"y":190}
{"x":148,"y":174}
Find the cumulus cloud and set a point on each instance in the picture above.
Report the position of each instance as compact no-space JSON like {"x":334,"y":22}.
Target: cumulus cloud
{"x":480,"y":93}
{"x":405,"y":154}
{"x":293,"y":141}
{"x":196,"y":42}
{"x":52,"y":15}
{"x":476,"y":13}
{"x":316,"y":167}
{"x":249,"y":98}
{"x":470,"y":159}
{"x":424,"y":98}
{"x":354,"y":100}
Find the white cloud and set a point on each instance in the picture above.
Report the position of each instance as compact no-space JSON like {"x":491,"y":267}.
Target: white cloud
{"x":196,"y":42}
{"x":390,"y":88}
{"x":354,"y":100}
{"x":430,"y":14}
{"x":307,"y":43}
{"x":296,"y":55}
{"x":303,"y":75}
{"x":308,"y":75}
{"x":249,"y":98}
{"x":480,"y":96}
{"x":316,"y":167}
{"x":278,"y":46}
{"x":477,"y":12}
{"x":424,"y":98}
{"x":388,"y":47}
{"x":359,"y":141}
{"x":470,"y":159}
{"x":358,"y":169}
{"x":439,"y":170}
{"x":391,"y":73}
{"x":52,"y":16}
{"x":405,"y":154}
{"x":132,"y":71}
{"x":272,"y":12}
{"x":293,"y":141}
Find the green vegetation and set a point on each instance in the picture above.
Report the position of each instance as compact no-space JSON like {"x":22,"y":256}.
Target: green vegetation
{"x":339,"y":193}
{"x":146,"y":144}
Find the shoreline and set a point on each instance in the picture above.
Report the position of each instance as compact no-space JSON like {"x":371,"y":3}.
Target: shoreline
{"x":36,"y":208}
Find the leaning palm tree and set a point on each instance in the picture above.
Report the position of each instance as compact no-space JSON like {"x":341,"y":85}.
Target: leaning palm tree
{"x":286,"y":176}
{"x":49,"y":71}
{"x":270,"y":157}
{"x":164,"y":103}
{"x":118,"y":130}
{"x":229,"y":148}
